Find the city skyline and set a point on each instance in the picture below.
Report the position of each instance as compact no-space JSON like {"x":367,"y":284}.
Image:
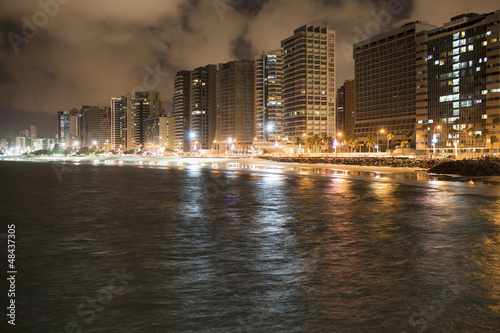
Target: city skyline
{"x":42,"y":78}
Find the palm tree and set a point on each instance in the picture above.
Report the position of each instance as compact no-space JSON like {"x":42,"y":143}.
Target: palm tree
{"x":402,"y":145}
{"x":353,"y":142}
{"x":370,"y":142}
{"x":390,"y":136}
{"x":310,"y":143}
{"x":327,"y":142}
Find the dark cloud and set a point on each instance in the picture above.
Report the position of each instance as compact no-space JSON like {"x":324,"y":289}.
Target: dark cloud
{"x":88,"y":51}
{"x":242,"y":49}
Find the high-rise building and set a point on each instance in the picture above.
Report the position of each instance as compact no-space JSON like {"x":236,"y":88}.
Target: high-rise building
{"x":458,"y":84}
{"x":385,"y":70}
{"x":268,"y":102}
{"x":96,"y":127}
{"x":203,"y":107}
{"x":235,"y":105}
{"x":308,"y":84}
{"x":146,"y":104}
{"x":121,"y":107}
{"x":182,"y":110}
{"x":75,"y":128}
{"x":346,"y":108}
{"x":63,"y":126}
{"x":195,"y":106}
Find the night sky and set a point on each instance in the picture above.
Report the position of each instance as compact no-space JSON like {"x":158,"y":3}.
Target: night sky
{"x":87,"y":51}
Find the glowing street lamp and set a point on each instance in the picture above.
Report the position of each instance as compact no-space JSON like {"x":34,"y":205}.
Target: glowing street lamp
{"x":382,"y":132}
{"x":335,"y":145}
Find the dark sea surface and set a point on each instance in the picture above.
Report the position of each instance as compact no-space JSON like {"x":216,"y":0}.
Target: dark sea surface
{"x":194,"y":249}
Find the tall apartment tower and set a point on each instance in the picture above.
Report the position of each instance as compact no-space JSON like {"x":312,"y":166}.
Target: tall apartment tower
{"x":119,"y":112}
{"x":308,"y":85}
{"x":63,"y":126}
{"x":458,"y":84}
{"x":96,"y":127}
{"x":235,"y":105}
{"x":195,"y":106}
{"x":203,"y":107}
{"x":182,"y":114}
{"x":268,"y":101}
{"x":346,"y":107}
{"x":385,"y":69}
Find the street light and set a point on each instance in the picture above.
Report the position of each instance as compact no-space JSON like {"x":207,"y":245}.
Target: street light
{"x":434,"y":140}
{"x":382,"y":132}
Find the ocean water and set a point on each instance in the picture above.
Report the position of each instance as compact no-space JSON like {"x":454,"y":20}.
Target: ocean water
{"x":195,"y":249}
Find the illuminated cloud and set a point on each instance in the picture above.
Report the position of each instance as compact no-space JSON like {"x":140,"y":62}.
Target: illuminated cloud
{"x":89,"y":51}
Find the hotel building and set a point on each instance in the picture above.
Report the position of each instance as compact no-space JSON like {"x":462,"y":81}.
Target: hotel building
{"x":308,"y":84}
{"x":385,"y":70}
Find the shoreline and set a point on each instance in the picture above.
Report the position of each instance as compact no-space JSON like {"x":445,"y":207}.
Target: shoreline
{"x":230,"y":162}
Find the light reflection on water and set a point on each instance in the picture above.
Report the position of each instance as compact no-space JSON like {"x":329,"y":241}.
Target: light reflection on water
{"x":221,"y":250}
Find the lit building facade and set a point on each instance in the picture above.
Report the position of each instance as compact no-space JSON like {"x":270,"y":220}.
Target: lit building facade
{"x":159,"y":134}
{"x":203,"y":107}
{"x":96,"y":127}
{"x":195,"y":107}
{"x":63,"y":126}
{"x":308,"y":84}
{"x":385,"y":69}
{"x":121,"y":108}
{"x":140,"y":107}
{"x":458,"y":85}
{"x":182,"y":114}
{"x":268,"y":102}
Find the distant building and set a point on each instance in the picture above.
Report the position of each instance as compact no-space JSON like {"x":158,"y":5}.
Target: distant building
{"x":385,"y":70}
{"x":4,"y":144}
{"x":43,"y":144}
{"x":159,"y":134}
{"x":346,"y":108}
{"x":33,"y":132}
{"x":308,"y":89}
{"x":63,"y":126}
{"x":458,"y":84}
{"x":268,"y":100}
{"x":96,"y":127}
{"x":69,"y":128}
{"x":235,"y":105}
{"x":23,"y":142}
